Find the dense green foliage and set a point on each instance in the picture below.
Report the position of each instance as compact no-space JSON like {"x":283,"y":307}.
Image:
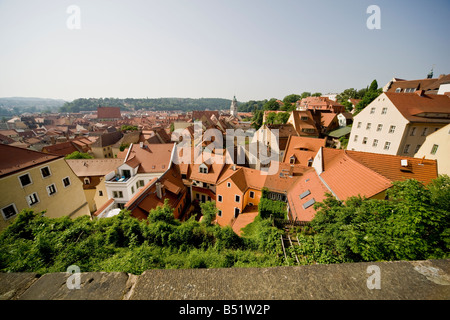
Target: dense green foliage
{"x":414,"y":224}
{"x":277,"y":117}
{"x":122,"y":243}
{"x":79,"y":155}
{"x":367,"y":95}
{"x":267,"y":207}
{"x":164,"y":104}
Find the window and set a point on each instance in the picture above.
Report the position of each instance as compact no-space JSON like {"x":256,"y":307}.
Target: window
{"x":387,"y":145}
{"x":391,"y":129}
{"x":219,"y":213}
{"x":45,"y":172}
{"x":359,"y":125}
{"x":197,"y":196}
{"x":117,"y":194}
{"x":100,"y":193}
{"x":375,"y":143}
{"x":219,"y":198}
{"x":417,"y":148}
{"x":236,"y":212}
{"x":425,"y":131}
{"x":379,"y":127}
{"x":237,"y":198}
{"x":66,"y":182}
{"x":126,"y":173}
{"x":303,"y":118}
{"x":356,"y":138}
{"x":384,"y":110}
{"x":87,"y":181}
{"x":32,"y":199}
{"x":25,"y":180}
{"x":398,"y":90}
{"x":406,"y":150}
{"x":434,"y":149}
{"x":364,"y":140}
{"x":368,"y":126}
{"x":132,"y":189}
{"x":9,"y":211}
{"x":229,"y":184}
{"x":413,"y":131}
{"x":292,"y":160}
{"x":51,"y":189}
{"x":252,"y":194}
{"x":372,"y":110}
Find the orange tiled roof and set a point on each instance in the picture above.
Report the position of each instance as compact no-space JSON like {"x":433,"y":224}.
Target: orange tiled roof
{"x":311,"y":182}
{"x":347,"y":177}
{"x":413,"y":105}
{"x":349,"y":173}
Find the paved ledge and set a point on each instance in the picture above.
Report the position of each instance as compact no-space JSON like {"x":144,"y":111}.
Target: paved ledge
{"x":409,"y":280}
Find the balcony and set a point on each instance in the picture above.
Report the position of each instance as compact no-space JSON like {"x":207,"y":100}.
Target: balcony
{"x":119,"y":179}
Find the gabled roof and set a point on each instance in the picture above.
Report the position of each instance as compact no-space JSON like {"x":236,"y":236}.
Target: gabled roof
{"x":149,"y":157}
{"x":14,"y":159}
{"x":347,"y":177}
{"x":304,"y":148}
{"x":414,"y":107}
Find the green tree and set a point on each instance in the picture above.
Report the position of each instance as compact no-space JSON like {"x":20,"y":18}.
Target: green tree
{"x":79,"y":155}
{"x":272,"y":104}
{"x":209,"y":212}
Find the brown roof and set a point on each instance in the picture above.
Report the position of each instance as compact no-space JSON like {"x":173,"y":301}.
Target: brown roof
{"x":108,"y":113}
{"x":146,"y":199}
{"x":14,"y":159}
{"x":414,"y":107}
{"x":150,"y":158}
{"x":303,"y":148}
{"x":420,"y":84}
{"x":93,"y":167}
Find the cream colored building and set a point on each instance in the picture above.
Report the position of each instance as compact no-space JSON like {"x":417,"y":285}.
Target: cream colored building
{"x":437,"y":147}
{"x":38,"y":181}
{"x":91,"y":173}
{"x":398,"y":123}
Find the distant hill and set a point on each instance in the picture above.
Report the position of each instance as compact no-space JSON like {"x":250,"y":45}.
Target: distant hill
{"x":183,"y":104}
{"x":24,"y":102}
{"x":18,"y":105}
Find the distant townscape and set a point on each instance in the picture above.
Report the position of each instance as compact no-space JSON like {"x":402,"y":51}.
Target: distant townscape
{"x":99,"y":159}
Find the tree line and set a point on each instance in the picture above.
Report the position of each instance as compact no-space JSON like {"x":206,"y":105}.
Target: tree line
{"x":163,"y":104}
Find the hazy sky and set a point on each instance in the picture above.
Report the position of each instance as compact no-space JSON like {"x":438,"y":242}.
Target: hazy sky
{"x":254,"y":49}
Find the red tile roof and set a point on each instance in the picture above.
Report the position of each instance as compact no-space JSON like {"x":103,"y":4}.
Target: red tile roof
{"x":349,"y":173}
{"x":14,"y":159}
{"x":149,"y":158}
{"x":414,"y":106}
{"x":303,"y":148}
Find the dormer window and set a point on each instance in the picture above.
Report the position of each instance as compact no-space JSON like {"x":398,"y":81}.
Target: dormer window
{"x":292,"y":160}
{"x":203,"y":168}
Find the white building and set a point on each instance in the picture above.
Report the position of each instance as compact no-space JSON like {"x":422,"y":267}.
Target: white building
{"x":398,"y":123}
{"x":143,"y":163}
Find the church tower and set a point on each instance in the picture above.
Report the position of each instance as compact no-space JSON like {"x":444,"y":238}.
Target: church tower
{"x":233,"y":107}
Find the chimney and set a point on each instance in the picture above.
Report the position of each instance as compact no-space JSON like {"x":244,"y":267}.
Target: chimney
{"x":159,"y":190}
{"x":291,"y":170}
{"x":233,"y":167}
{"x":419,"y":93}
{"x":141,"y":144}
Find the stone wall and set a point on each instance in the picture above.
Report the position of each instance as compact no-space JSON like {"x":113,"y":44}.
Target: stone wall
{"x":410,"y":280}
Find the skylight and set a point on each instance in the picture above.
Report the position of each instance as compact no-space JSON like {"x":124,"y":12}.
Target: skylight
{"x":304,"y":194}
{"x":309,"y":203}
